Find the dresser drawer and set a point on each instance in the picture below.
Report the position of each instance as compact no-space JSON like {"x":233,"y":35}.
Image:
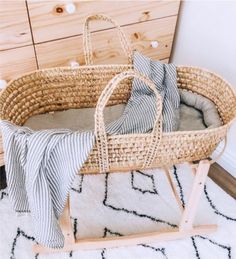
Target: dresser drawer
{"x":2,"y":159}
{"x":15,"y":62}
{"x":1,"y":143}
{"x":14,"y":25}
{"x":48,"y":17}
{"x":107,"y":48}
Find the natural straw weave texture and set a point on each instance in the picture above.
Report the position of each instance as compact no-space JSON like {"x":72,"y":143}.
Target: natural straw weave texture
{"x":101,"y":136}
{"x":88,"y":43}
{"x":56,"y":89}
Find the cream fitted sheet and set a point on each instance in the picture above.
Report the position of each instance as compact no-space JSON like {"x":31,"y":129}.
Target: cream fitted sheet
{"x":83,"y":119}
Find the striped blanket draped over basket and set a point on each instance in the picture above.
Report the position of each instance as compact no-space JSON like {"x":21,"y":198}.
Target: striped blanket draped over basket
{"x":139,"y":114}
{"x":140,"y":111}
{"x":41,"y":165}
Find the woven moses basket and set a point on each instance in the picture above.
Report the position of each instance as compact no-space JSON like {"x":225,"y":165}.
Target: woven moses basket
{"x":91,"y":85}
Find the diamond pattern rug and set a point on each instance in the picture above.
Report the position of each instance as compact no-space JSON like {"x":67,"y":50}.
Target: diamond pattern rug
{"x":127,"y":203}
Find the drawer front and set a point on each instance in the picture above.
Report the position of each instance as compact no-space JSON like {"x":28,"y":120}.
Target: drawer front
{"x":2,"y":159}
{"x":107,"y":48}
{"x":14,"y":25}
{"x":1,"y":145}
{"x":48,"y":17}
{"x":15,"y":62}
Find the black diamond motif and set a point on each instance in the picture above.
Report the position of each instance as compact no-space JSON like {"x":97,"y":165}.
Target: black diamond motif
{"x":3,"y":194}
{"x":221,"y":246}
{"x":79,"y":190}
{"x":146,"y":186}
{"x":108,"y":232}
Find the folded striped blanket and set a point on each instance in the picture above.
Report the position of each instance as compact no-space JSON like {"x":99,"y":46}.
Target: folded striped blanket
{"x":41,"y":165}
{"x":140,"y":111}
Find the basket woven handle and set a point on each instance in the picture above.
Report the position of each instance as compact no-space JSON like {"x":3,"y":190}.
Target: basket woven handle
{"x":87,"y":38}
{"x":100,"y":132}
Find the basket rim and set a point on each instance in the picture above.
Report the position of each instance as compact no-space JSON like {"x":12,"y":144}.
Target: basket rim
{"x":212,"y":73}
{"x":110,"y":66}
{"x":84,"y":67}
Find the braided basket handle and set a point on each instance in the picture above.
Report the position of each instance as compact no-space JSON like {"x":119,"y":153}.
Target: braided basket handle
{"x":87,"y":38}
{"x":100,"y":132}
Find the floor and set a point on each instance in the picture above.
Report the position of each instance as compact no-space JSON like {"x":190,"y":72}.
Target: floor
{"x":2,"y":178}
{"x":217,"y":173}
{"x":225,"y":180}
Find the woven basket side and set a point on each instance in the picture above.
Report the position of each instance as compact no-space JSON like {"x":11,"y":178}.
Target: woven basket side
{"x":211,"y":86}
{"x":127,"y":152}
{"x":59,"y":89}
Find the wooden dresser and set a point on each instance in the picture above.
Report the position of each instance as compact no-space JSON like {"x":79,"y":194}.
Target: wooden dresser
{"x":36,"y":34}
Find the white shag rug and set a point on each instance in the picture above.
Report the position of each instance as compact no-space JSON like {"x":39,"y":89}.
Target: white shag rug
{"x":127,"y":203}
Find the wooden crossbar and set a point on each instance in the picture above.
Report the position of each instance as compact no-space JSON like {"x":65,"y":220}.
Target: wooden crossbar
{"x":185,"y":229}
{"x":111,"y":242}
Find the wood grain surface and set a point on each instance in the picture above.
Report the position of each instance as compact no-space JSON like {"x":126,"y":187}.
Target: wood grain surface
{"x":15,"y":62}
{"x":14,"y":24}
{"x":106,"y":46}
{"x":225,"y":180}
{"x":49,"y":17}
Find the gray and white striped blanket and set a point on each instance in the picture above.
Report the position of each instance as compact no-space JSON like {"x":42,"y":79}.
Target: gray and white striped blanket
{"x":140,"y":111}
{"x":41,"y":165}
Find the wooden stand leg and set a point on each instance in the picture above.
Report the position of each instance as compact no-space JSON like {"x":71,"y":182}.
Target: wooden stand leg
{"x":172,"y":185}
{"x":189,"y":213}
{"x":185,"y":229}
{"x":65,"y":224}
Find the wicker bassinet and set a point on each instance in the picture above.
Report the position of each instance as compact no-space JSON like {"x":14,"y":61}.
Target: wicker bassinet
{"x":64,"y":88}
